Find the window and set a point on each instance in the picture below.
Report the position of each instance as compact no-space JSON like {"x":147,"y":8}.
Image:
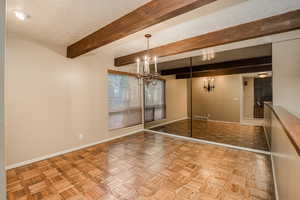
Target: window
{"x":155,"y":106}
{"x":124,"y":98}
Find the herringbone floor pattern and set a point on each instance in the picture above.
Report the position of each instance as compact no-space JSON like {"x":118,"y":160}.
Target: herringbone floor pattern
{"x":146,"y":166}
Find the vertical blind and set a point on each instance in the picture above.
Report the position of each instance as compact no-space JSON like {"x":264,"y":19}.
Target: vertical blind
{"x":124,"y":100}
{"x":155,"y":108}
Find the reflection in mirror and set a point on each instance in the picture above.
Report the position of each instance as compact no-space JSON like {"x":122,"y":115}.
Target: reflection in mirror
{"x":232,"y":112}
{"x":155,"y":101}
{"x":166,"y":106}
{"x":216,"y":96}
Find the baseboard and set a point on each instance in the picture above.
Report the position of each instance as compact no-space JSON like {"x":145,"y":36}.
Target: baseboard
{"x":226,"y":122}
{"x":20,"y":164}
{"x":209,"y":120}
{"x":168,"y":122}
{"x":245,"y":122}
{"x":239,"y":123}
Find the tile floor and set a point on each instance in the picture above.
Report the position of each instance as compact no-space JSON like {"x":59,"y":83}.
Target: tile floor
{"x":226,"y":133}
{"x":146,"y":166}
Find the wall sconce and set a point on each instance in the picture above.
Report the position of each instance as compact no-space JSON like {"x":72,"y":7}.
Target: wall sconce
{"x":209,"y":84}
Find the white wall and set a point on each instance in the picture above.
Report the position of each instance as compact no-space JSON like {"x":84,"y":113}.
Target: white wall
{"x":286,"y":163}
{"x":2,"y":56}
{"x":286,"y":160}
{"x":286,"y":88}
{"x":52,"y":100}
{"x":286,"y":75}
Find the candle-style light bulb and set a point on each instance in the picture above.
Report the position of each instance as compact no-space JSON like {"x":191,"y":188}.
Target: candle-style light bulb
{"x":145,"y":64}
{"x":155,"y":64}
{"x":138,"y":66}
{"x":212,"y":54}
{"x":204,"y":56}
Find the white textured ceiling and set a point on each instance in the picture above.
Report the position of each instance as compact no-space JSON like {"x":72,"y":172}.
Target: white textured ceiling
{"x":61,"y":22}
{"x":212,"y":17}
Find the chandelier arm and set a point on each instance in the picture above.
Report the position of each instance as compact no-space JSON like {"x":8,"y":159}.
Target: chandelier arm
{"x":145,"y":74}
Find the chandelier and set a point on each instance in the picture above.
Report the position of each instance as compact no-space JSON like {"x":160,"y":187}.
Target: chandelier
{"x":145,"y":74}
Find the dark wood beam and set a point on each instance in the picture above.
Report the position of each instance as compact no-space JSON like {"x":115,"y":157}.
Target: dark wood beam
{"x":228,"y":71}
{"x":267,"y":26}
{"x":147,"y":15}
{"x":221,"y":65}
{"x":111,"y":71}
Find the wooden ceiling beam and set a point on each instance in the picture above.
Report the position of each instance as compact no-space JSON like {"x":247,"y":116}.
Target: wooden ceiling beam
{"x":267,"y":26}
{"x":221,"y":65}
{"x":147,"y":15}
{"x":228,"y":71}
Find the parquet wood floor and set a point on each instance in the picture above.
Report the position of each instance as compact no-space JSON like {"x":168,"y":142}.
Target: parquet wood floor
{"x":146,"y":166}
{"x":226,"y":133}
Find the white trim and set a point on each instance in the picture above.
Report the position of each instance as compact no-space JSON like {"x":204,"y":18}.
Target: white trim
{"x":254,"y":122}
{"x":228,"y":122}
{"x":20,"y":164}
{"x":168,"y":122}
{"x":273,"y":166}
{"x":200,"y":117}
{"x":267,"y":138}
{"x":251,"y":124}
{"x":209,"y":142}
{"x":274,"y":178}
{"x":210,"y":120}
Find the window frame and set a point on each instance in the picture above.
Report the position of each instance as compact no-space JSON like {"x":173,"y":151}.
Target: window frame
{"x":110,"y":71}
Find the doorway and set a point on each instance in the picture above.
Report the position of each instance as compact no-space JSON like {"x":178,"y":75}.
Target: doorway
{"x":262,"y":93}
{"x":257,"y":89}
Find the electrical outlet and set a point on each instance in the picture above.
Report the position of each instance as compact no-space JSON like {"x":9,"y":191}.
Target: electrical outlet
{"x":81,"y":136}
